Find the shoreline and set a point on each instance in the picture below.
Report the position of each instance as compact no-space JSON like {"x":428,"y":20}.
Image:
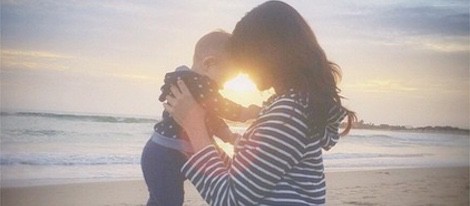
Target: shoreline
{"x":413,"y":186}
{"x":456,"y":132}
{"x":40,"y":183}
{"x":151,"y":119}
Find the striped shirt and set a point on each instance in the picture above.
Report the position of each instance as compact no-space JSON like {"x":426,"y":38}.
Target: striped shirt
{"x":276,"y":162}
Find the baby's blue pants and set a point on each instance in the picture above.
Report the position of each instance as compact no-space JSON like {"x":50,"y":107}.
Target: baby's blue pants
{"x":161,"y":168}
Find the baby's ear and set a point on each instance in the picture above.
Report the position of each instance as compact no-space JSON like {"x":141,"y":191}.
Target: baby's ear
{"x":208,"y":62}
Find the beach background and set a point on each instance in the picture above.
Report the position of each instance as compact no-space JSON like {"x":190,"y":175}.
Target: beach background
{"x":84,"y":159}
{"x":79,"y":82}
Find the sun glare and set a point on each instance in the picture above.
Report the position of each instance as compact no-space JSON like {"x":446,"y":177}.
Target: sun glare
{"x":243,"y":91}
{"x":241,"y":83}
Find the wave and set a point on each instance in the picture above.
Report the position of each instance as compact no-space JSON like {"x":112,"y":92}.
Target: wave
{"x":75,"y":159}
{"x":371,"y":136}
{"x":402,"y":139}
{"x":68,"y":159}
{"x":74,"y":117}
{"x":32,"y":132}
{"x":372,"y":155}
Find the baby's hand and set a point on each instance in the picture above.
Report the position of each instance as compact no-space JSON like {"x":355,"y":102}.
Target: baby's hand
{"x":250,"y":113}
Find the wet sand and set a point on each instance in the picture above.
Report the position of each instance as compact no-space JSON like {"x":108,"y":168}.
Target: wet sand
{"x":420,"y":186}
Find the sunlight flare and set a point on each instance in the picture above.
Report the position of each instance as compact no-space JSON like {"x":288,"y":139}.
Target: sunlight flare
{"x":243,"y":91}
{"x":241,"y":83}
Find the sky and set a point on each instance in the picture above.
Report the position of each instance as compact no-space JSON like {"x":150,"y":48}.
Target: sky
{"x":404,"y":62}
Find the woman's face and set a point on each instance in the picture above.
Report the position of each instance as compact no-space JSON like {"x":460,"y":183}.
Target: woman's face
{"x":262,"y":80}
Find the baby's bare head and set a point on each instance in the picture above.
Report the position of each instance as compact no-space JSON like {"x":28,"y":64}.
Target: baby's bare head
{"x":211,"y":56}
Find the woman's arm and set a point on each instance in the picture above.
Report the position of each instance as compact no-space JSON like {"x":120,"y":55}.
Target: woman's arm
{"x":276,"y":145}
{"x":271,"y":151}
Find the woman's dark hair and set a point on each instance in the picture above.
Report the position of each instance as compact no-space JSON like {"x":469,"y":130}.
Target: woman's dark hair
{"x":275,"y":39}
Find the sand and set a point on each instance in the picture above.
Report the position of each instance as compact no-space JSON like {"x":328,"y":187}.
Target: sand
{"x":423,"y":186}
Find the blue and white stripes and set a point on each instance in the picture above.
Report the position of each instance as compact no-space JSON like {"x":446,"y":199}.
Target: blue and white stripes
{"x":275,"y":163}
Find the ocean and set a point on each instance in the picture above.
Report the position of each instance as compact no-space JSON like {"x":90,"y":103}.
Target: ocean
{"x":48,"y":148}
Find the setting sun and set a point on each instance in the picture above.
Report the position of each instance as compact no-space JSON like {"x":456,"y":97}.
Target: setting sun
{"x":243,"y":91}
{"x":241,"y":83}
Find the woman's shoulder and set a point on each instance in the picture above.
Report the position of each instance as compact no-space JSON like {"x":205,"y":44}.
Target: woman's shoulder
{"x":288,"y":109}
{"x":284,"y":115}
{"x":290,"y":101}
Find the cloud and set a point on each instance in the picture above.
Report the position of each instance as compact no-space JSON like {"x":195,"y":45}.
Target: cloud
{"x":29,"y":22}
{"x":439,"y":26}
{"x":449,"y":44}
{"x":446,"y":45}
{"x":440,"y":18}
{"x":419,"y":87}
{"x":23,"y":59}
{"x":32,"y":54}
{"x":381,"y":85}
{"x":45,"y":61}
{"x":113,"y":28}
{"x":425,"y":20}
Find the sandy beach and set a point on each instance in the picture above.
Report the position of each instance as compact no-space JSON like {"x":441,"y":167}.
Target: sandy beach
{"x":423,"y":186}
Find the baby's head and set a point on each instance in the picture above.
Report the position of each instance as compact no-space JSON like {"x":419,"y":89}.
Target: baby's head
{"x":211,"y":57}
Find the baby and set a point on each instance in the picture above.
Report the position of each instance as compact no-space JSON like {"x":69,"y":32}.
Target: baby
{"x":165,"y":152}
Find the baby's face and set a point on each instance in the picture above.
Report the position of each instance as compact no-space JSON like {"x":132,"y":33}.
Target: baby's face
{"x":221,"y":70}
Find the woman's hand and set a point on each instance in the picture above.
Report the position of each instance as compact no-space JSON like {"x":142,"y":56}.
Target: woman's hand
{"x":188,"y":114}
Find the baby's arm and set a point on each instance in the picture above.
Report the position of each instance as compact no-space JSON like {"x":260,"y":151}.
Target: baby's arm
{"x":222,"y":130}
{"x":230,"y":110}
{"x":251,"y":112}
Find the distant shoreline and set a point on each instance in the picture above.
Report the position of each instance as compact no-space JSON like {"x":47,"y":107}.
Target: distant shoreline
{"x":393,"y":128}
{"x":136,"y":118}
{"x":461,"y":131}
{"x":399,"y":128}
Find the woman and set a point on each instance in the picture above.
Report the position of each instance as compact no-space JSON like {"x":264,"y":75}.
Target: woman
{"x":278,"y":161}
